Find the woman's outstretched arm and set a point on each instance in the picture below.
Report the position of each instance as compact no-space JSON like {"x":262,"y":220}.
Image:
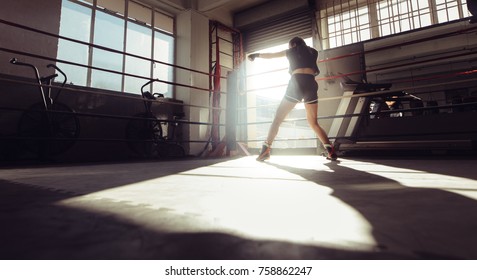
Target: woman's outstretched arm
{"x":267,"y":55}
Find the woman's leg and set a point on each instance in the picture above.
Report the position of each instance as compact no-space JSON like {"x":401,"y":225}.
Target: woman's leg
{"x":283,"y":109}
{"x":312,"y":116}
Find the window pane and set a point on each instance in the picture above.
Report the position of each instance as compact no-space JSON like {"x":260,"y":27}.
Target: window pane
{"x":405,"y":7}
{"x":110,"y":61}
{"x":163,"y":51}
{"x":465,"y":9}
{"x":138,"y":42}
{"x":442,"y":16}
{"x":339,"y":41}
{"x":108,"y":32}
{"x":139,"y":67}
{"x":363,"y":19}
{"x":385,"y":29}
{"x":75,"y":23}
{"x":383,"y":13}
{"x":365,"y":35}
{"x":453,"y":13}
{"x":347,"y":24}
{"x":405,"y":25}
{"x":75,"y":53}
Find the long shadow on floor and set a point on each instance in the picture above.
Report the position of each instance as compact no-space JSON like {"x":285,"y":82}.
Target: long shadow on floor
{"x":422,"y":222}
{"x":34,"y":226}
{"x":95,"y":177}
{"x":407,"y":223}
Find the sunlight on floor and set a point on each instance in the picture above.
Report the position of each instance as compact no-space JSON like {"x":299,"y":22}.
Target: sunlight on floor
{"x":415,"y":178}
{"x":353,"y":205}
{"x":249,"y":199}
{"x":289,"y":198}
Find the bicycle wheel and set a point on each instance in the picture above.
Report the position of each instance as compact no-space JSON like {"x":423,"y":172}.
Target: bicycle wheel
{"x":52,"y":132}
{"x":143,"y":133}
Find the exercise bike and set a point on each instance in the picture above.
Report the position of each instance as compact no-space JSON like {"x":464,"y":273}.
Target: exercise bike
{"x":48,"y":127}
{"x":145,"y":134}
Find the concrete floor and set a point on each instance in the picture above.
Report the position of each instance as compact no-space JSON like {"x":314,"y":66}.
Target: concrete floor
{"x":293,"y":207}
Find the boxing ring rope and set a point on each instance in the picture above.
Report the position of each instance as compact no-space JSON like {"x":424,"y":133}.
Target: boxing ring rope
{"x":379,"y":92}
{"x":101,"y":69}
{"x":465,"y":52}
{"x":132,"y":97}
{"x":101,"y":116}
{"x":367,"y":94}
{"x":24,"y":27}
{"x":217,"y":75}
{"x":436,"y":37}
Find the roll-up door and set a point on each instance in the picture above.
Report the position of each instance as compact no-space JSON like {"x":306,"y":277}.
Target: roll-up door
{"x":279,"y":27}
{"x":278,"y":32}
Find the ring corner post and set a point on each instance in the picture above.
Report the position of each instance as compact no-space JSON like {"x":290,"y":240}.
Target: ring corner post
{"x":231,"y":113}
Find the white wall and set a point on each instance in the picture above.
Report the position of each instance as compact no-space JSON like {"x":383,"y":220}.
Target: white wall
{"x":193,"y":53}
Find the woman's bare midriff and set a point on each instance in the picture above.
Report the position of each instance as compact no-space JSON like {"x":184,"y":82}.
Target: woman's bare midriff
{"x":308,"y":71}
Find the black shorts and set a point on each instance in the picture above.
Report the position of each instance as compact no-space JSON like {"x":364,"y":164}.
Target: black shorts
{"x":302,"y":87}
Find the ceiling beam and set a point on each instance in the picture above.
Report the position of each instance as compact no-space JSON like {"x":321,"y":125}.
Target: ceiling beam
{"x":209,"y":5}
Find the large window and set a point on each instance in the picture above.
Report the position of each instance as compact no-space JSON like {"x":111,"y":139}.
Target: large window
{"x":403,"y":15}
{"x":448,"y":10}
{"x":349,"y":27}
{"x":349,"y":21}
{"x":136,"y":44}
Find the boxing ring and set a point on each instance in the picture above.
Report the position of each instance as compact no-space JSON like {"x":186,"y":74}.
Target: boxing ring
{"x":86,"y":121}
{"x":413,"y":92}
{"x":372,"y":95}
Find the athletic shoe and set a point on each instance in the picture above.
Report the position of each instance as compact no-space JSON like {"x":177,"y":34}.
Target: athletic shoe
{"x":265,"y":153}
{"x":331,"y":154}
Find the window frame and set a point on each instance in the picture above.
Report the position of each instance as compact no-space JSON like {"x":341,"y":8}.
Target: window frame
{"x":414,"y":17}
{"x":154,"y":30}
